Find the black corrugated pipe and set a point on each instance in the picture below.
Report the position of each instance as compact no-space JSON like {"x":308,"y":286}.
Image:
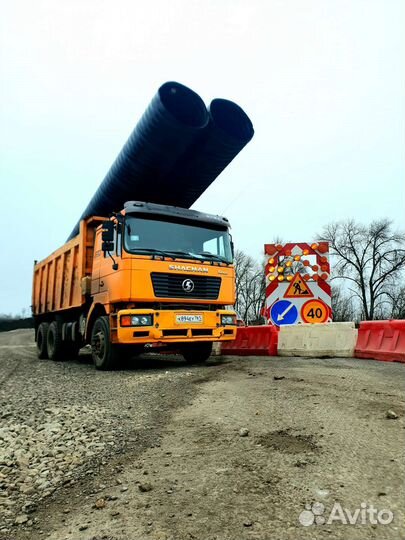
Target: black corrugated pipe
{"x":228,"y":131}
{"x":174,"y":119}
{"x":174,"y":153}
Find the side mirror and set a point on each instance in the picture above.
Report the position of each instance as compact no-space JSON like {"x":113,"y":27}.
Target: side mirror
{"x":107,"y":231}
{"x":232,"y":249}
{"x":107,"y":236}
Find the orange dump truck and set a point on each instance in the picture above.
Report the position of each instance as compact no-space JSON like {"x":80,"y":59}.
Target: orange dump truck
{"x":151,"y":275}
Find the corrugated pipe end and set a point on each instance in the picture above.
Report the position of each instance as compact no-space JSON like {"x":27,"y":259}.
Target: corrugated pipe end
{"x":231,"y":119}
{"x":184,"y":104}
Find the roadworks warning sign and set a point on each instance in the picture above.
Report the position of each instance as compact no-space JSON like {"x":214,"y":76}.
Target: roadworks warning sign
{"x":298,"y":288}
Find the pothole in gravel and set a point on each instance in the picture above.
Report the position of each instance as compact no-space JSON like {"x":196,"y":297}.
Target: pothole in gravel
{"x":283,"y":441}
{"x":208,"y":435}
{"x":104,"y":537}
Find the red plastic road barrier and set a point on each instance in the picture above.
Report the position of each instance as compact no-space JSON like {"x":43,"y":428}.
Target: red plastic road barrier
{"x":381,"y":340}
{"x":252,"y":340}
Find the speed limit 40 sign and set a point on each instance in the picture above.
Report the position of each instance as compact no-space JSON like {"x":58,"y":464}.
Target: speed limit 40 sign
{"x":314,"y":311}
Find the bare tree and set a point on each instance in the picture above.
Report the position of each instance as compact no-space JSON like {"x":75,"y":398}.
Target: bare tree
{"x":371,"y":258}
{"x":394,"y":307}
{"x":250,"y":287}
{"x":343,"y":307}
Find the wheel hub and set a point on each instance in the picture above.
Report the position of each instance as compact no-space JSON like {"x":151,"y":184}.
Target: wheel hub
{"x":99,"y":344}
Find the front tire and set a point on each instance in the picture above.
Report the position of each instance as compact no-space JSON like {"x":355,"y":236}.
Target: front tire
{"x":42,"y":337}
{"x":104,"y":353}
{"x":197,"y":353}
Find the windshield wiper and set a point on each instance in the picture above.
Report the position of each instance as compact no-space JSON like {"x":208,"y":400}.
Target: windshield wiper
{"x":185,"y":254}
{"x":177,"y":254}
{"x":149,"y":250}
{"x":199,"y":256}
{"x":164,"y":253}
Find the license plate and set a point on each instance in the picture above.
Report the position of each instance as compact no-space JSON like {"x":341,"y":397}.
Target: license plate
{"x":189,"y":319}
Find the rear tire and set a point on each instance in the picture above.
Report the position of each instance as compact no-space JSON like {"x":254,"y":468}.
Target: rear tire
{"x":197,"y":353}
{"x":104,"y":353}
{"x":42,"y":336}
{"x":54,"y":342}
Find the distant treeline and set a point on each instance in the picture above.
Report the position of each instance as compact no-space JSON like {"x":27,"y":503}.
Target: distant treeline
{"x":13,"y":323}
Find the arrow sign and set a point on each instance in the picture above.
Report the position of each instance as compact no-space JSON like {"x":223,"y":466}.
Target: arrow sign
{"x":283,"y":312}
{"x":281,"y":316}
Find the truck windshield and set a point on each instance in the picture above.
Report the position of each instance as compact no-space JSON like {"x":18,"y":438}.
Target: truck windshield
{"x":177,"y":239}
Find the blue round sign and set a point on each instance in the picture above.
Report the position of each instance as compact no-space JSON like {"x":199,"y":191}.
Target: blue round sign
{"x":283,"y":312}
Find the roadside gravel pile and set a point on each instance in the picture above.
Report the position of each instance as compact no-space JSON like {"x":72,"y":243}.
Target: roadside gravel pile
{"x":45,"y":451}
{"x":64,"y":423}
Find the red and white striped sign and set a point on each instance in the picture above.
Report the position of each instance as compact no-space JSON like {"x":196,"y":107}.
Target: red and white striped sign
{"x":297,"y":283}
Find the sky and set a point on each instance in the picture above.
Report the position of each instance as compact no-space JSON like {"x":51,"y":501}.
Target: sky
{"x":323,"y":82}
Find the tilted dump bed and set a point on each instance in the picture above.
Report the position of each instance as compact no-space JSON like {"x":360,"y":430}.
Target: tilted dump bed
{"x":60,"y":280}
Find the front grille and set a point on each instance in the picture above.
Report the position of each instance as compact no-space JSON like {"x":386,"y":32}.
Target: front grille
{"x":171,"y":286}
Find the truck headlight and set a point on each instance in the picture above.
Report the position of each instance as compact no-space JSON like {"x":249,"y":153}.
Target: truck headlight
{"x":136,"y":320}
{"x":228,"y":319}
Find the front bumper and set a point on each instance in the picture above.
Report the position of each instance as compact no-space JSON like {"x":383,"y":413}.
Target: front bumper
{"x":165,"y":329}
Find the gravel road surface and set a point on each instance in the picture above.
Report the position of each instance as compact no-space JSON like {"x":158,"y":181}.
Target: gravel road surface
{"x":252,"y":448}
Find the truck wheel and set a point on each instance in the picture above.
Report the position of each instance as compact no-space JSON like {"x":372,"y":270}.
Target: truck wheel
{"x":54,"y":342}
{"x":197,"y":353}
{"x":104,"y":353}
{"x":42,"y":336}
